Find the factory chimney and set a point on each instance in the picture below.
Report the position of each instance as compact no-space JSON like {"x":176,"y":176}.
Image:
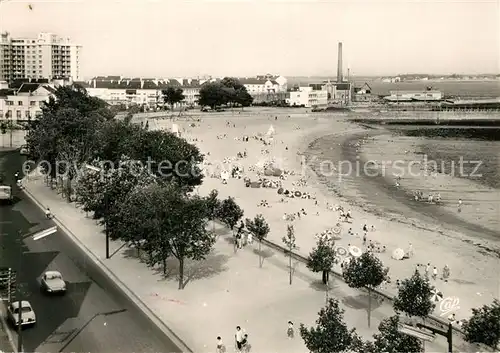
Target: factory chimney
{"x":339,"y":64}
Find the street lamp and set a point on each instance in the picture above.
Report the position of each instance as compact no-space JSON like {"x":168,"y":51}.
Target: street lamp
{"x":37,"y":236}
{"x":106,"y":231}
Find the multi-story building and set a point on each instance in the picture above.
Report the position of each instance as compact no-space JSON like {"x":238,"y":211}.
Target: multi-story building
{"x":141,"y":91}
{"x":46,"y":56}
{"x":308,"y":97}
{"x":24,"y":103}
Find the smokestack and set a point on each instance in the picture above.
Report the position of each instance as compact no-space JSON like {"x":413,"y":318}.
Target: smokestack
{"x":339,"y":64}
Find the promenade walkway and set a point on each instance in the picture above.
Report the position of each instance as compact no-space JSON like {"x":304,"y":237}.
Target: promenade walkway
{"x":225,"y":290}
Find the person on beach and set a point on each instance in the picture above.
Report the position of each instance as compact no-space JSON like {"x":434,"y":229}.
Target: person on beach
{"x":238,"y":336}
{"x":410,"y":250}
{"x":434,"y":273}
{"x":427,"y":270}
{"x":446,"y":273}
{"x":220,"y":348}
{"x":290,"y":333}
{"x":364,"y":239}
{"x":459,"y":205}
{"x":245,"y":347}
{"x":365,"y":228}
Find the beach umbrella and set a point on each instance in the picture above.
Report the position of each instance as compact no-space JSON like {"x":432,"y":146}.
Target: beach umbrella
{"x":436,"y":296}
{"x":336,"y":230}
{"x":341,"y":251}
{"x":355,"y":251}
{"x":398,"y":254}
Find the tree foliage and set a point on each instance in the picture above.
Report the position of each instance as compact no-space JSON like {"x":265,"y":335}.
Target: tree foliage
{"x":330,"y":335}
{"x":173,"y":95}
{"x":390,"y":340}
{"x":414,"y":296}
{"x":227,"y":91}
{"x":260,"y":229}
{"x":101,"y":191}
{"x":166,"y":221}
{"x":484,"y":325}
{"x":366,"y":271}
{"x":322,"y":257}
{"x":230,"y":213}
{"x":67,"y":128}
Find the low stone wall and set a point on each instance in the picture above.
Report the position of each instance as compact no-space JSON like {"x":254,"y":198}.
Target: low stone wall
{"x":15,"y":139}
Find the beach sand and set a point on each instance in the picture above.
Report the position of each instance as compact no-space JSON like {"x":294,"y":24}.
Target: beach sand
{"x":474,"y":278}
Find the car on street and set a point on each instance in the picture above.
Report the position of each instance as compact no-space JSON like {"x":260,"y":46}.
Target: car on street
{"x":53,"y":282}
{"x":28,"y":317}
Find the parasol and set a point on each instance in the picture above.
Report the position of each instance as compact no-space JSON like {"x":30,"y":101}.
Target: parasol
{"x":436,"y":296}
{"x":398,"y":254}
{"x":355,"y":251}
{"x":336,"y":230}
{"x":341,"y":251}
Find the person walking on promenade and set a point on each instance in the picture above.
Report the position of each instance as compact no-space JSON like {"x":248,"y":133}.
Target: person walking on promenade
{"x":48,"y":214}
{"x":290,"y":332}
{"x":238,"y":336}
{"x":220,"y":348}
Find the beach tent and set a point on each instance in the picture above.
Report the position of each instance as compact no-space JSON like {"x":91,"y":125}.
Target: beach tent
{"x":175,"y":129}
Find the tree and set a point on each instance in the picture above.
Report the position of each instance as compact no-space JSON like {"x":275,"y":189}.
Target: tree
{"x":414,"y":297}
{"x":230,"y":212}
{"x":289,"y":241}
{"x":322,"y":257}
{"x":390,"y":340}
{"x":243,"y":98}
{"x":101,"y":191}
{"x":76,"y":97}
{"x":177,"y":224}
{"x":331,"y":334}
{"x":212,"y":95}
{"x":173,"y":95}
{"x":167,"y":156}
{"x":366,"y":271}
{"x":260,"y":229}
{"x":484,"y":325}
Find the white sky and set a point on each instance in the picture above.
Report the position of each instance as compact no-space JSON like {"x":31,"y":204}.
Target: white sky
{"x":166,"y":38}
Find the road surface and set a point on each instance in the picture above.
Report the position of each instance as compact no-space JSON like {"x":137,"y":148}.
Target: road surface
{"x":94,"y":315}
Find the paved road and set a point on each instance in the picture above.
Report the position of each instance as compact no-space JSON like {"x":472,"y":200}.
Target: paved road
{"x":94,"y":315}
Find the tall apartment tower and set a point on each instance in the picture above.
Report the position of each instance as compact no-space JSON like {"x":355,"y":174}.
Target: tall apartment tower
{"x":47,"y":56}
{"x":340,"y":77}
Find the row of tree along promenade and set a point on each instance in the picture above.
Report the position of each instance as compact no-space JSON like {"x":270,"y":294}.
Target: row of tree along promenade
{"x":155,"y":210}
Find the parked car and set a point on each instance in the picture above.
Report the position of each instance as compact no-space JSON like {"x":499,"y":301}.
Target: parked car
{"x":53,"y":282}
{"x":5,"y":194}
{"x":28,"y":317}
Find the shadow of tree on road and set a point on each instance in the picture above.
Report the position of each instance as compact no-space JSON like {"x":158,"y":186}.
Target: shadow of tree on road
{"x":360,"y":301}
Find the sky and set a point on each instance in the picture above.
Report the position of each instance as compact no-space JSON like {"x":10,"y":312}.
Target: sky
{"x":188,"y":38}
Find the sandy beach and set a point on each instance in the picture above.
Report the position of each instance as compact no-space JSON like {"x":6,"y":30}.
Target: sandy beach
{"x":473,"y":280}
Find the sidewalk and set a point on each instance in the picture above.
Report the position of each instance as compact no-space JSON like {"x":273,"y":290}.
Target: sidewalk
{"x":224,"y":291}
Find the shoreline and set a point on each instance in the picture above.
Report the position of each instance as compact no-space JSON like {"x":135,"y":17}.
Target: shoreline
{"x":423,"y":213}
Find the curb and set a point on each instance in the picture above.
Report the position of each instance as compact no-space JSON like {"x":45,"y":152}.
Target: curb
{"x":128,"y":292}
{"x":5,"y":327}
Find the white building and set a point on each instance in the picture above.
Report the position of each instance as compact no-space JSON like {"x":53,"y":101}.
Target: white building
{"x":46,"y":56}
{"x":409,"y":96}
{"x":266,"y":84}
{"x":140,"y":91}
{"x":24,"y":103}
{"x":308,"y":97}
